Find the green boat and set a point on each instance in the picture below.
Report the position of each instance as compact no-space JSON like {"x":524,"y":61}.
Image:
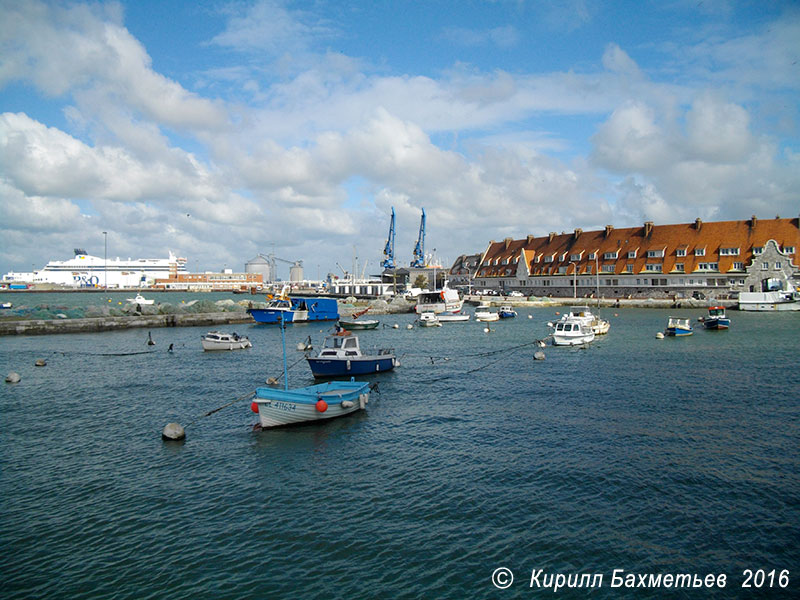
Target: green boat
{"x":362,"y":324}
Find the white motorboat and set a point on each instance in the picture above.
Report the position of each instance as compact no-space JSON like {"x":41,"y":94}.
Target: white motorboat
{"x":139,"y":299}
{"x":216,"y":340}
{"x":486,"y":315}
{"x":452,"y":317}
{"x":507,"y":312}
{"x":776,"y":300}
{"x":585,"y":316}
{"x":572,"y":332}
{"x":438,"y":301}
{"x":429,"y":319}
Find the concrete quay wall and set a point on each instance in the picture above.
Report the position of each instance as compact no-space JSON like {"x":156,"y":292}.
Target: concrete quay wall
{"x":85,"y":325}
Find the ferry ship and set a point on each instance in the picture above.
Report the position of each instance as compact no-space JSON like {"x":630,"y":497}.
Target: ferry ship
{"x":85,"y":270}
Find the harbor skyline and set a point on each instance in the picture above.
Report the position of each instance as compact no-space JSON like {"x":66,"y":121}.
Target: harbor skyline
{"x":222,"y":132}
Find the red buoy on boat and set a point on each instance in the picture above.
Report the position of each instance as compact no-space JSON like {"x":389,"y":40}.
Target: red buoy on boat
{"x":322,"y":406}
{"x":254,"y":407}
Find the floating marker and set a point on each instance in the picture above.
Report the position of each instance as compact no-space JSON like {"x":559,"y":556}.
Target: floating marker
{"x":659,"y":336}
{"x":173,"y":432}
{"x":40,"y":362}
{"x":538,"y":355}
{"x":13,"y":377}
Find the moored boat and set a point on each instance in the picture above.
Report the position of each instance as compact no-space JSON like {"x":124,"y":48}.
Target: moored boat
{"x":429,"y":319}
{"x":486,"y":315}
{"x":341,"y":354}
{"x":276,"y":407}
{"x":678,"y":327}
{"x":506,"y":312}
{"x":572,"y":332}
{"x":287,"y":309}
{"x":587,"y":317}
{"x":777,"y":300}
{"x":438,"y":301}
{"x":139,"y":299}
{"x":453,"y":317}
{"x":360,"y":324}
{"x":716,"y":319}
{"x":217,"y":340}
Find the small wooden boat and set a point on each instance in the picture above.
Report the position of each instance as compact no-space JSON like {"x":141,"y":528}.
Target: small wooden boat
{"x":276,"y":407}
{"x":452,"y":317}
{"x":360,"y":324}
{"x":429,"y":319}
{"x":678,"y":327}
{"x":216,"y":340}
{"x":486,"y":315}
{"x":716,"y":319}
{"x":341,"y":354}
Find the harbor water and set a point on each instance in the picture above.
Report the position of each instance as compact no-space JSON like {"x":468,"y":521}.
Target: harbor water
{"x":649,"y":456}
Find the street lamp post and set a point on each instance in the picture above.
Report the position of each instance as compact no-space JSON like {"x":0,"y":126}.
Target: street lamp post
{"x":105,"y":260}
{"x":574,"y":279}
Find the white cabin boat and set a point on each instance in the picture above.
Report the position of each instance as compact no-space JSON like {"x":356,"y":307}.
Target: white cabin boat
{"x":438,"y":301}
{"x":778,"y":300}
{"x":429,"y":319}
{"x":216,"y":340}
{"x":585,"y":315}
{"x":572,"y":332}
{"x":452,"y":317}
{"x":486,"y":315}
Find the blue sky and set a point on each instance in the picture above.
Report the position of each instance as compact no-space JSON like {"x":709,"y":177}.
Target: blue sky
{"x":220,"y":130}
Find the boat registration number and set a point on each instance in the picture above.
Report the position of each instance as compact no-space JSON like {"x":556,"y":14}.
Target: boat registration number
{"x":288,"y":407}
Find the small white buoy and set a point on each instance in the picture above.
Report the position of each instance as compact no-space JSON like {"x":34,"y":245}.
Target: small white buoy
{"x":13,"y":377}
{"x":659,"y":336}
{"x":486,"y":330}
{"x":538,"y":355}
{"x":540,"y":343}
{"x":395,"y":326}
{"x":409,"y":326}
{"x":530,"y":316}
{"x":173,"y":432}
{"x":40,"y":362}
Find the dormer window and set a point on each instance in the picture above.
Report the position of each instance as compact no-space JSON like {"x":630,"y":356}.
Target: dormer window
{"x":758,"y":250}
{"x":700,"y":251}
{"x":729,"y":251}
{"x":659,"y":253}
{"x":611,"y":255}
{"x":680,"y":252}
{"x":632,"y":253}
{"x":575,"y":257}
{"x":788,"y":250}
{"x":593,"y":256}
{"x":548,"y":258}
{"x":563,"y":257}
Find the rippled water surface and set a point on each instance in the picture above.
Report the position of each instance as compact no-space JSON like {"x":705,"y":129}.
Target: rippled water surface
{"x":652,"y":456}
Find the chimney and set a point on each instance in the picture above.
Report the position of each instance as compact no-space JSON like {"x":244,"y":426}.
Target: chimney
{"x":753,"y":222}
{"x":551,"y":236}
{"x":578,"y":233}
{"x":530,"y":240}
{"x":507,"y":242}
{"x":698,"y":223}
{"x":648,"y":228}
{"x":609,"y":229}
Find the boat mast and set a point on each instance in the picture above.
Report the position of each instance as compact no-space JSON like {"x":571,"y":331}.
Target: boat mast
{"x":283,"y":344}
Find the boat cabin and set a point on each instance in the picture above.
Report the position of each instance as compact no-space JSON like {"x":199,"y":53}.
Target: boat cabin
{"x":340,"y":345}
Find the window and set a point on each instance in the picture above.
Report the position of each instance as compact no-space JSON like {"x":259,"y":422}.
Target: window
{"x":758,"y":250}
{"x":548,"y":259}
{"x":629,"y":268}
{"x":765,"y":266}
{"x":588,"y":269}
{"x":656,"y":267}
{"x":562,"y":270}
{"x":563,"y":257}
{"x":607,"y":268}
{"x":708,"y":266}
{"x":593,"y":255}
{"x":632,"y":253}
{"x":610,"y":256}
{"x":738,"y":266}
{"x":729,"y":252}
{"x":778,"y":265}
{"x":655,"y":254}
{"x":699,"y":251}
{"x":575,"y":257}
{"x":788,"y":250}
{"x":680,"y":252}
{"x":679,"y":267}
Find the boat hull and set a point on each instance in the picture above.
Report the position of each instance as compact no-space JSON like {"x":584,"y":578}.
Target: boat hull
{"x":769,"y":301}
{"x":487,"y":316}
{"x":211,"y":346}
{"x":302,"y":310}
{"x":336,"y":367}
{"x":716,"y":323}
{"x":578,"y":340}
{"x":676,"y":332}
{"x":277,"y":408}
{"x":359,"y":325}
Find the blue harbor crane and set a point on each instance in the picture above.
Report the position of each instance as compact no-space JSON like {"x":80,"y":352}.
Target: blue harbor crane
{"x":388,"y":251}
{"x":419,"y":249}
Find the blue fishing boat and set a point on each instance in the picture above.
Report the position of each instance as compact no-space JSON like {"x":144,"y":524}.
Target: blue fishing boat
{"x":506,"y":312}
{"x":290,"y":309}
{"x":677,"y":326}
{"x":342,"y":355}
{"x":716,"y":319}
{"x":276,"y":407}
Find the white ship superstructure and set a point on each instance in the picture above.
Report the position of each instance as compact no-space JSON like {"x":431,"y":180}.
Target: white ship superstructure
{"x":92,"y":271}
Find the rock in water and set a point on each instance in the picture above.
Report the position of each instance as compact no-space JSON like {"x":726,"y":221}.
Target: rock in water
{"x":173,"y":431}
{"x":41,"y":362}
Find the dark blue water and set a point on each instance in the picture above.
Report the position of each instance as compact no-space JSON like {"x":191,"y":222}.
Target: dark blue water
{"x":652,"y":456}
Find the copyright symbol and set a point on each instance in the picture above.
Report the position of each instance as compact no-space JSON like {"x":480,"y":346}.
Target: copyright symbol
{"x":502,"y":578}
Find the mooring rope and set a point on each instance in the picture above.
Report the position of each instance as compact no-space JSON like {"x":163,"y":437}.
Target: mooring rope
{"x":211,"y":412}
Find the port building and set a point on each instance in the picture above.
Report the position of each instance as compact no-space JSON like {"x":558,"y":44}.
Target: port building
{"x":714,"y":259}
